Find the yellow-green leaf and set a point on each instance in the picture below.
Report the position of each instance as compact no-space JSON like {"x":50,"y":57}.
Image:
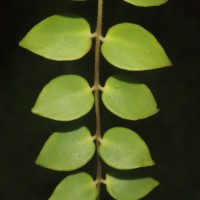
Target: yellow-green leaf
{"x":128,"y":98}
{"x":121,"y":148}
{"x":59,"y":38}
{"x":79,"y":186}
{"x":128,"y":187}
{"x":67,"y":150}
{"x":146,"y":3}
{"x":65,"y":98}
{"x":131,"y":47}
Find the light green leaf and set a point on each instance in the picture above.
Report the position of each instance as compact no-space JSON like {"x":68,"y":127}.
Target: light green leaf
{"x":65,"y":98}
{"x":128,"y":188}
{"x":131,"y":47}
{"x":79,"y":186}
{"x":67,"y":150}
{"x":128,"y":98}
{"x":59,"y":38}
{"x":146,"y":3}
{"x":121,"y":148}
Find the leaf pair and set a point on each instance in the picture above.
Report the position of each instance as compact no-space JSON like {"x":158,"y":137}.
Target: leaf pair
{"x":126,"y":46}
{"x":68,"y":150}
{"x":70,"y":97}
{"x":82,"y":186}
{"x":143,"y":3}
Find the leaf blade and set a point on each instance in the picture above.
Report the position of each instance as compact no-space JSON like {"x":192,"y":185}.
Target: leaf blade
{"x":130,"y":47}
{"x":67,"y":150}
{"x":128,"y":98}
{"x":77,"y":186}
{"x":129,"y":188}
{"x":64,"y":98}
{"x":59,"y":38}
{"x":123,"y":149}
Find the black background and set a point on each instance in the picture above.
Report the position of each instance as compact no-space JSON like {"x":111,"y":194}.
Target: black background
{"x":172,"y":135}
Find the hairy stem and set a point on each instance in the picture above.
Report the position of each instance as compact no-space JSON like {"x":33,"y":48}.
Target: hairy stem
{"x":96,"y":91}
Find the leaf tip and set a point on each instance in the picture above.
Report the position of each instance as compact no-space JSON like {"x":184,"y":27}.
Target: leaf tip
{"x":171,"y":64}
{"x":20,"y":43}
{"x":34,"y":110}
{"x":153,"y":163}
{"x":157,"y":183}
{"x":37,"y":161}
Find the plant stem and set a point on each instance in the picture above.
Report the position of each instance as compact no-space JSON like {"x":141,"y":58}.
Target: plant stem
{"x":96,"y":92}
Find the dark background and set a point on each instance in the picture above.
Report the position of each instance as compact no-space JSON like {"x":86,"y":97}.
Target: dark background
{"x":172,"y":135}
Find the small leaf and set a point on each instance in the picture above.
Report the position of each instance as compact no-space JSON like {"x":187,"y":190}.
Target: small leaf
{"x":131,"y":47}
{"x":75,"y":187}
{"x":128,"y":188}
{"x":128,"y":98}
{"x":67,"y":150}
{"x":65,"y":98}
{"x":146,"y":3}
{"x":59,"y":38}
{"x":121,"y":148}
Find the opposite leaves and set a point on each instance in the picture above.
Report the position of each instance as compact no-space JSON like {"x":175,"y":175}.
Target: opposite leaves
{"x":69,"y":97}
{"x":143,"y":3}
{"x":59,"y":38}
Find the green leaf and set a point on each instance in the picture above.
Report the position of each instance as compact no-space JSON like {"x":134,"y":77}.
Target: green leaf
{"x":131,"y":47}
{"x":59,"y":38}
{"x":128,"y":98}
{"x":146,"y":3}
{"x":128,"y":188}
{"x":121,"y":148}
{"x":75,"y":187}
{"x":65,"y":98}
{"x":67,"y":150}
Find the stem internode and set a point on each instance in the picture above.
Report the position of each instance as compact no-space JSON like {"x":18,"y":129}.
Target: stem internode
{"x":97,"y":87}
